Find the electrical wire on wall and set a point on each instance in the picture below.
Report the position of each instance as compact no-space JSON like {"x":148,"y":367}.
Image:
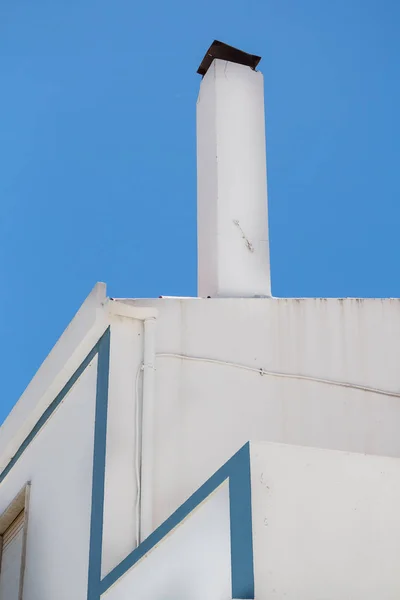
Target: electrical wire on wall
{"x":264,"y":372}
{"x":138,"y":453}
{"x":259,"y":371}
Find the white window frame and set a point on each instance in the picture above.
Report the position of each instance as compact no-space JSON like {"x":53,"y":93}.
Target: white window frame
{"x":16,"y":506}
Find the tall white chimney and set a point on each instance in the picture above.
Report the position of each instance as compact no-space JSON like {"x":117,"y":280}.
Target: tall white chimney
{"x":232,"y":217}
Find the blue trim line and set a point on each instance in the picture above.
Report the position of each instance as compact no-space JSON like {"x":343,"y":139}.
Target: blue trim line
{"x":99,"y":467}
{"x":49,"y":411}
{"x":237,"y":471}
{"x":241,"y":527}
{"x":102,"y":349}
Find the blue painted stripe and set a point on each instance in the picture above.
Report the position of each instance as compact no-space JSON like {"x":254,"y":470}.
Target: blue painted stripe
{"x":99,"y":465}
{"x":48,"y":412}
{"x":241,"y":528}
{"x":237,"y":470}
{"x":102,"y":349}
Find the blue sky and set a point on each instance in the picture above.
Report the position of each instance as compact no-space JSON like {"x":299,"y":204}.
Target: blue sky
{"x":98,"y":164}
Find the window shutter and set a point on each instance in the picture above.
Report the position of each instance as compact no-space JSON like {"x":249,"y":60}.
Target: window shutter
{"x":11,"y":559}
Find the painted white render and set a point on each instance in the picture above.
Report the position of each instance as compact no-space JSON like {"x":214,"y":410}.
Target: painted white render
{"x":326,"y":524}
{"x":192,"y":562}
{"x":232,"y":222}
{"x":205,"y":411}
{"x":58,"y":463}
{"x":120,"y":511}
{"x":205,"y":407}
{"x":70,"y":350}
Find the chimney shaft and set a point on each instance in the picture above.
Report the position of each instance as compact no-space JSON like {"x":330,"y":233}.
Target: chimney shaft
{"x":233,"y":248}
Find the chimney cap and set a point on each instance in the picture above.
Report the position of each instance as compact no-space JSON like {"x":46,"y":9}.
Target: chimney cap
{"x":229,"y":53}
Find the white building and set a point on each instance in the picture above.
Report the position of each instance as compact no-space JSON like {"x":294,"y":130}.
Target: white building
{"x":232,"y":445}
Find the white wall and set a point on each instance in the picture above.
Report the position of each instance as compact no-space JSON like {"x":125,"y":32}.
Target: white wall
{"x":58,"y":462}
{"x":205,"y":412}
{"x":71,"y":348}
{"x":191,"y":563}
{"x":326,"y":524}
{"x":232,"y":220}
{"x":120,"y":523}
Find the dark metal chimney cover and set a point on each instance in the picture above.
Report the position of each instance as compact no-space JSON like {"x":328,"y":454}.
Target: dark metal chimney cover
{"x":225,"y":52}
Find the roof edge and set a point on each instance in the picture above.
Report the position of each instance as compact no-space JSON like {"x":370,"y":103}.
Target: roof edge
{"x":82,"y":333}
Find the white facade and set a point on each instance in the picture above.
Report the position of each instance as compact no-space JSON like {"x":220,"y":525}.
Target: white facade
{"x":133,"y":435}
{"x":58,"y":463}
{"x":315,"y":363}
